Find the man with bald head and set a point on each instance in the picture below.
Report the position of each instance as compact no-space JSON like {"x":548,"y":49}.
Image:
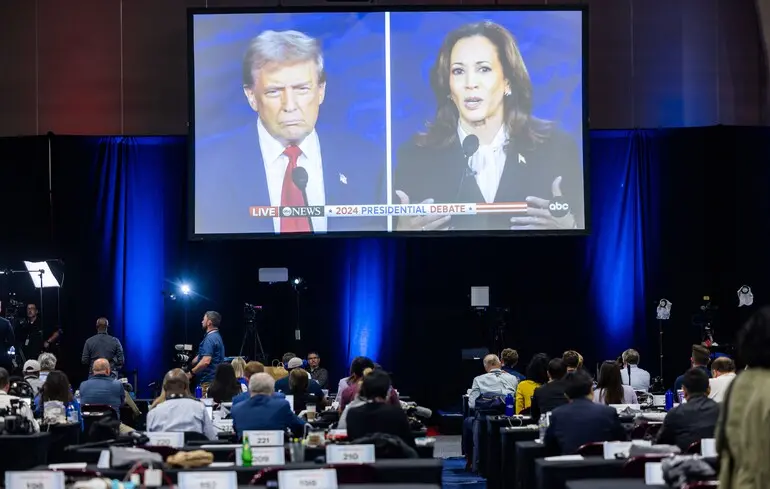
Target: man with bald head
{"x":494,"y":382}
{"x":101,"y":388}
{"x":102,"y":345}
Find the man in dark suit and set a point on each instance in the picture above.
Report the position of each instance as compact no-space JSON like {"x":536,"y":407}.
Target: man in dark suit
{"x":262,"y":411}
{"x":693,"y":420}
{"x":286,"y":158}
{"x":700,"y":358}
{"x":551,"y":395}
{"x":581,"y":421}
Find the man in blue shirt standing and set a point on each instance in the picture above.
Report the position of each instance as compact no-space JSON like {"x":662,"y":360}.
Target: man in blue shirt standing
{"x":211,"y":351}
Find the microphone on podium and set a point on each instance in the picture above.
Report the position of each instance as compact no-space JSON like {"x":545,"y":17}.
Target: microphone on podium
{"x":470,"y":146}
{"x":299,"y":177}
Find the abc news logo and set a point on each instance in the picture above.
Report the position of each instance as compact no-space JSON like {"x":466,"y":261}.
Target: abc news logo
{"x":558,"y":208}
{"x":302,"y":211}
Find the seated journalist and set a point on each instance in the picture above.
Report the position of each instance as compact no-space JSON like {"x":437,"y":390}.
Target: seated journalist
{"x":262,"y":411}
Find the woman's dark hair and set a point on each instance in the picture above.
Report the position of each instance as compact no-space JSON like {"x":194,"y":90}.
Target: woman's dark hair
{"x":376,"y":385}
{"x":610,"y":383}
{"x":298,"y":381}
{"x":56,"y":387}
{"x":358,"y":365}
{"x":754,"y":340}
{"x":225,"y":385}
{"x":537,"y":370}
{"x":517,"y":107}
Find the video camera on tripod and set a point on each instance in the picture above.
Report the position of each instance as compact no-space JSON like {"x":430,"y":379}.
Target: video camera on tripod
{"x":13,"y":421}
{"x":183,"y":356}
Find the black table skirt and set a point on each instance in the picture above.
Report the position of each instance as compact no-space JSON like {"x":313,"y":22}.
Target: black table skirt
{"x":612,"y":484}
{"x":526,"y":454}
{"x":554,"y":474}
{"x":508,"y":439}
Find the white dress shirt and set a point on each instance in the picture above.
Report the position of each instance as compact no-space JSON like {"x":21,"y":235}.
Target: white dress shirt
{"x":181,"y":415}
{"x":493,"y":382}
{"x":488,"y":162}
{"x":275,"y":169}
{"x":640,"y":378}
{"x":719,"y":386}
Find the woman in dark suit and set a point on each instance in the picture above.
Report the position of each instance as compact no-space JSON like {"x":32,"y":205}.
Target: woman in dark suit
{"x":484,"y":93}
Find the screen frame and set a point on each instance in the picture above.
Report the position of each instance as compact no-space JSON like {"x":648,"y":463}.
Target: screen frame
{"x":367,"y":8}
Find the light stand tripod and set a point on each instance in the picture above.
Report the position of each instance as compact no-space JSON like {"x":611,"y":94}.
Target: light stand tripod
{"x":250,"y":328}
{"x":663,"y":313}
{"x":298,"y":284}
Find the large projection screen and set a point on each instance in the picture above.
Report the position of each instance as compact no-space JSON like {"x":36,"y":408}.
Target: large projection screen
{"x":410,"y":122}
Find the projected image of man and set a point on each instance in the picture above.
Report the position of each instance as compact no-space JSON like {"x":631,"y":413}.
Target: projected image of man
{"x":484,"y":145}
{"x":285,"y":159}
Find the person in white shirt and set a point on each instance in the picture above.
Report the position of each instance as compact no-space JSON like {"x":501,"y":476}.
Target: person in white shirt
{"x":723,"y":373}
{"x":180,"y":412}
{"x":495,"y":381}
{"x":6,"y":399}
{"x":631,"y":374}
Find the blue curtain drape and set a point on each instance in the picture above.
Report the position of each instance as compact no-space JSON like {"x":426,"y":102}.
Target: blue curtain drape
{"x":130,"y":202}
{"x":624,"y":238}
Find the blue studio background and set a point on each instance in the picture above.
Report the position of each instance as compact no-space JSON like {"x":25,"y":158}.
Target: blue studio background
{"x":114,"y":220}
{"x":354,"y":61}
{"x":550,"y":43}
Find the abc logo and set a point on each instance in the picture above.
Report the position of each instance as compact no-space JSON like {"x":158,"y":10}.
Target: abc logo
{"x":558,"y":208}
{"x":287,"y":212}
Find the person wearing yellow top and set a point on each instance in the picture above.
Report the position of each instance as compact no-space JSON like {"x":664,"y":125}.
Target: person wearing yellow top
{"x":537,"y":375}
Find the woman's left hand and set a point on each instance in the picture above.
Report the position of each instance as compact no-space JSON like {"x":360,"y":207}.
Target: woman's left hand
{"x":539,"y":216}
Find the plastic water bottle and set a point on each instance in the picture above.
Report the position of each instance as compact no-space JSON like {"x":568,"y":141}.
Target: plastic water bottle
{"x":669,"y":400}
{"x":509,"y":405}
{"x":542,"y":425}
{"x":246,"y":458}
{"x":199,"y":392}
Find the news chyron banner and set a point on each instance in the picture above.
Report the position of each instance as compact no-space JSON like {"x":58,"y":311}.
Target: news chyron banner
{"x":409,"y":210}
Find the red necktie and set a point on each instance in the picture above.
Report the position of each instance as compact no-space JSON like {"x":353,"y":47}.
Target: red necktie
{"x":291,"y":195}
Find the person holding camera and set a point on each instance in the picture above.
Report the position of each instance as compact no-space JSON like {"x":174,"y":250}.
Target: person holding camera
{"x":8,"y":401}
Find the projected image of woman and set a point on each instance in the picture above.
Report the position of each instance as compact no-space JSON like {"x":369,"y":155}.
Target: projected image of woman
{"x":484,"y":145}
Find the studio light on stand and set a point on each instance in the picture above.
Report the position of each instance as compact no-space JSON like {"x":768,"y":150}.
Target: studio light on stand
{"x":299,"y":285}
{"x":185,"y":290}
{"x":663,"y":313}
{"x":745,"y":296}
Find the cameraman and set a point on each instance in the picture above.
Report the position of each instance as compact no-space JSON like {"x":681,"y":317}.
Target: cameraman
{"x":5,"y":401}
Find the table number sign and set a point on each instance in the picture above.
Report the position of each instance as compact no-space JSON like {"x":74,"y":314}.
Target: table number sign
{"x":349,"y":454}
{"x":207,"y":480}
{"x":307,"y":479}
{"x":263,"y":456}
{"x":265,"y":438}
{"x":166,"y":439}
{"x":34,"y":479}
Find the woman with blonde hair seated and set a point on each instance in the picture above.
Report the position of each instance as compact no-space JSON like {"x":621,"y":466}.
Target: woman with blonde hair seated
{"x":239,"y":365}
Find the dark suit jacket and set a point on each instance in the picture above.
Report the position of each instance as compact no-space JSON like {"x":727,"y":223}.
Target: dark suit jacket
{"x":379,"y":417}
{"x":230,"y":177}
{"x":424,"y":172}
{"x":547,"y":398}
{"x":678,"y":381}
{"x":264,"y":413}
{"x":579,"y":422}
{"x":689,"y":422}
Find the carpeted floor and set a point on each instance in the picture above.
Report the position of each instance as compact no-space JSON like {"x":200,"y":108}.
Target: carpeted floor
{"x":454,"y":475}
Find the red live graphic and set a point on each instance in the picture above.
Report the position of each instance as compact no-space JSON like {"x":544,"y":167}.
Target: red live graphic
{"x":263,"y":211}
